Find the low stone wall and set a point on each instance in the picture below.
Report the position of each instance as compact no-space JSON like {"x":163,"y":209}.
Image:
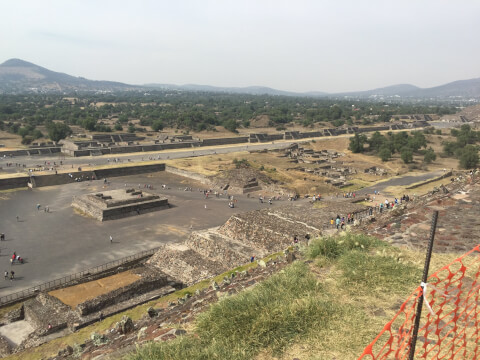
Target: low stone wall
{"x":64,"y":178}
{"x":311,"y":134}
{"x":9,"y":153}
{"x":180,"y":145}
{"x":153,"y":147}
{"x":255,"y":138}
{"x":60,"y":179}
{"x":151,"y":280}
{"x":128,"y":170}
{"x":224,"y":141}
{"x":77,"y":153}
{"x":14,"y":182}
{"x":191,"y":175}
{"x":125,"y":149}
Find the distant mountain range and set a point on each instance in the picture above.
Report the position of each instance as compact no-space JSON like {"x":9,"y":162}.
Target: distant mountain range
{"x":18,"y":76}
{"x":461,"y":88}
{"x":252,"y":90}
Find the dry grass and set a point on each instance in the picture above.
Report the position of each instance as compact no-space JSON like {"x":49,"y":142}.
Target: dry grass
{"x":74,"y":295}
{"x":364,"y":288}
{"x":11,"y":141}
{"x":207,"y":165}
{"x":365,"y":313}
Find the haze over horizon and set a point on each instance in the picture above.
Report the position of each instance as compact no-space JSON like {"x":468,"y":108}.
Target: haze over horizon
{"x":294,"y":46}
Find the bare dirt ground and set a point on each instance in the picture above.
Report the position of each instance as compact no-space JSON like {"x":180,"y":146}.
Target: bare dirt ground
{"x":292,"y":177}
{"x":11,"y":141}
{"x":74,"y":295}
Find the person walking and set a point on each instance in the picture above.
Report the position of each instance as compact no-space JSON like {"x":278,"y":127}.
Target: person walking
{"x":6,"y":275}
{"x":111,"y":239}
{"x":12,"y":275}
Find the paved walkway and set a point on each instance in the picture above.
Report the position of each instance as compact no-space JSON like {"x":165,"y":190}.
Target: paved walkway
{"x":62,"y":242}
{"x":16,"y":332}
{"x":400,"y":181}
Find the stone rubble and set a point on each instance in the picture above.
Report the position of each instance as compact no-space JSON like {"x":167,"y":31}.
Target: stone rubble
{"x":458,"y":225}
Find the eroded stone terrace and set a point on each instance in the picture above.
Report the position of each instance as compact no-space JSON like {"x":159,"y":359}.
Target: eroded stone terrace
{"x":458,"y":223}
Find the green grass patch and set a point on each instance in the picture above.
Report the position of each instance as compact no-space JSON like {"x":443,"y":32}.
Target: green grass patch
{"x":334,"y":246}
{"x":295,"y":314}
{"x":364,"y":273}
{"x":270,"y":316}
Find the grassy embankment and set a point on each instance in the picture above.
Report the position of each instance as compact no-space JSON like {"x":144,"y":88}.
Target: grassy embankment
{"x":330,"y":307}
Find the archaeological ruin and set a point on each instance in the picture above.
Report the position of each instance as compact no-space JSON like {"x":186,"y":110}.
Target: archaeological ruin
{"x":115,"y":204}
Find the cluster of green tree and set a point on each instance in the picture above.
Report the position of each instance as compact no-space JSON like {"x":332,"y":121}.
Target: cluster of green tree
{"x":28,"y":132}
{"x":386,"y":145}
{"x":58,"y":130}
{"x":464,"y":148}
{"x":197,"y":110}
{"x":239,"y":164}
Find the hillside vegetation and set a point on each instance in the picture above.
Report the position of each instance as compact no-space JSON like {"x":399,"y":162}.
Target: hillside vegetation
{"x":31,"y":115}
{"x":329,"y":305}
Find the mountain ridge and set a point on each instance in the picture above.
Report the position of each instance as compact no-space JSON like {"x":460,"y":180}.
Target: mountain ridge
{"x":18,"y":76}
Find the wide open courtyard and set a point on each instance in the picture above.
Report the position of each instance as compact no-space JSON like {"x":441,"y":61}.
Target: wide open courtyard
{"x":61,"y":242}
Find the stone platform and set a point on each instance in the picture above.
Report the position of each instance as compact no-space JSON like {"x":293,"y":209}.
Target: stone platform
{"x":115,"y":204}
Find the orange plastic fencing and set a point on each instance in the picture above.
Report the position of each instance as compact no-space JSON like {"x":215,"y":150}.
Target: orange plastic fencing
{"x":449,"y":329}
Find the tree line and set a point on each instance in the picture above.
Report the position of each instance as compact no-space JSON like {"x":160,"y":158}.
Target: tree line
{"x":464,"y":148}
{"x":191,"y":111}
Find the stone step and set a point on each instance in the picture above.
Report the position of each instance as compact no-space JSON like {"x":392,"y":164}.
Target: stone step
{"x":184,"y":264}
{"x":266,"y":230}
{"x":218,"y":247}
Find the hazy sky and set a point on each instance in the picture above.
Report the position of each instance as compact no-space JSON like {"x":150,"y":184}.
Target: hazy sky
{"x":331,"y":46}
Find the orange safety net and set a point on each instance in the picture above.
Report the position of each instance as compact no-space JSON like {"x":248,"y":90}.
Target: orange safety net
{"x":450,"y":330}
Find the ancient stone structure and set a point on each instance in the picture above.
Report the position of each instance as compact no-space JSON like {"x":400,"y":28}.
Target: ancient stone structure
{"x":101,"y":144}
{"x":329,"y":167}
{"x":240,"y":181}
{"x":458,"y":222}
{"x":257,"y":233}
{"x":158,"y":324}
{"x":115,"y":204}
